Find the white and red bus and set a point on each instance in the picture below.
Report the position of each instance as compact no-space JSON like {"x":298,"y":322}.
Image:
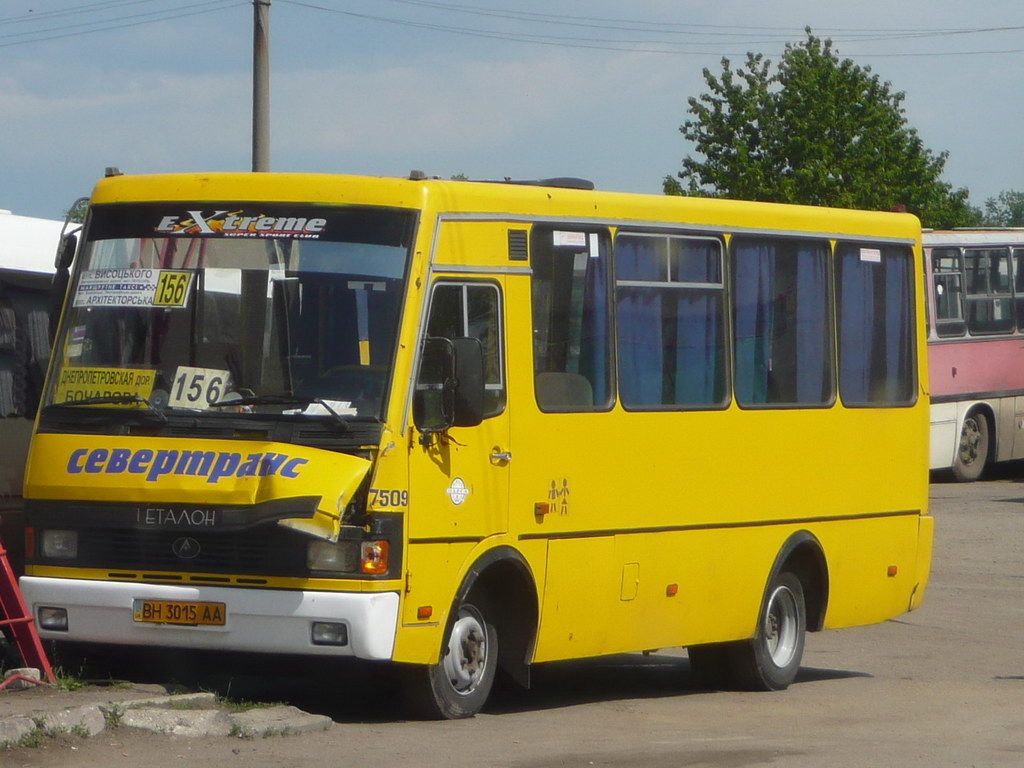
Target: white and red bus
{"x":975,"y":282}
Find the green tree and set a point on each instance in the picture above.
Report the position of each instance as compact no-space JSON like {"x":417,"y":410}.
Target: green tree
{"x":819,"y":130}
{"x":1005,"y":210}
{"x":78,"y":211}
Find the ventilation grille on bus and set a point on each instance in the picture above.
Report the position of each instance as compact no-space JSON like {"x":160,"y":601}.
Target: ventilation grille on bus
{"x":517,"y":250}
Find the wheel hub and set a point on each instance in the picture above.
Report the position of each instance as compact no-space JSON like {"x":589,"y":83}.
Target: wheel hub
{"x":781,"y":626}
{"x":466,"y":658}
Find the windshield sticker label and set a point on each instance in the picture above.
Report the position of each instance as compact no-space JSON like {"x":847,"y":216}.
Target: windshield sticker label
{"x":871,"y":255}
{"x":172,"y":288}
{"x":213,"y":465}
{"x":76,"y":383}
{"x":198,"y":387}
{"x":133,"y":288}
{"x":76,"y":341}
{"x":573,"y":239}
{"x":241,"y":224}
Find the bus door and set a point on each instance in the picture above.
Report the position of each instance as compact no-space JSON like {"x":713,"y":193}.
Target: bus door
{"x":459,"y":478}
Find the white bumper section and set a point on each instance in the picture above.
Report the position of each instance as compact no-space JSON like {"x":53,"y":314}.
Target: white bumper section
{"x":260,"y":620}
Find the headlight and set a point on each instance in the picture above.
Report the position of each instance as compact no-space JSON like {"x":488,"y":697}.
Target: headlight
{"x":341,"y":557}
{"x":60,"y":544}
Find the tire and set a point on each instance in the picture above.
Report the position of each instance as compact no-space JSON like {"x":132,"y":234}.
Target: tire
{"x":770,"y":660}
{"x":972,"y":453}
{"x":458,"y":685}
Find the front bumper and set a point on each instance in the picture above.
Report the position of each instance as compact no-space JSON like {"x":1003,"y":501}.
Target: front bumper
{"x":258,"y":620}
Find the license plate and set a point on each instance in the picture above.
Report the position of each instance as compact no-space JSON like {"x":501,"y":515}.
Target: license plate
{"x":180,"y":612}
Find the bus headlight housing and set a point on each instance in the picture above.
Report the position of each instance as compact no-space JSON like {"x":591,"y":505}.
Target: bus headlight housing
{"x":347,"y":556}
{"x":339,"y":557}
{"x":60,"y":544}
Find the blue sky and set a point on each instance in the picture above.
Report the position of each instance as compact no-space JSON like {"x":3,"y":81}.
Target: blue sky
{"x":525,"y":89}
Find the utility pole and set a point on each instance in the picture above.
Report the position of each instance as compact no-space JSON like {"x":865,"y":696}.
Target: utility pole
{"x":261,"y":85}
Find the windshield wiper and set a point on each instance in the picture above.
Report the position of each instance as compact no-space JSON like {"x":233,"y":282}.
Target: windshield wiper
{"x":338,"y":418}
{"x":114,"y":400}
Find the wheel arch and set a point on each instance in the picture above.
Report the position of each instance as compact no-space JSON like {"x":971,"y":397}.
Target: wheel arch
{"x":506,"y":578}
{"x":803,"y":555}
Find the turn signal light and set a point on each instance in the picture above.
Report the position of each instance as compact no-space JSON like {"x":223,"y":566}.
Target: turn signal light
{"x":373,"y":557}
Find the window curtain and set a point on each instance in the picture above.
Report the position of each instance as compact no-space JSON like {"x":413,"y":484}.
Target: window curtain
{"x":640,"y":343}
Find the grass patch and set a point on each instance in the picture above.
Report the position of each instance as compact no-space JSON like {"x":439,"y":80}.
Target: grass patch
{"x":66,"y":680}
{"x":113,"y":715}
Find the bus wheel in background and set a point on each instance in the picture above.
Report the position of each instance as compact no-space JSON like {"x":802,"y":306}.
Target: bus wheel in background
{"x":972,"y":453}
{"x":770,"y":660}
{"x":459,"y":684}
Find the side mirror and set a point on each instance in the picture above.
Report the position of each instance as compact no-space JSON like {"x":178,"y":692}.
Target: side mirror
{"x":66,"y":252}
{"x":469,"y":382}
{"x":450,"y":387}
{"x":433,"y":401}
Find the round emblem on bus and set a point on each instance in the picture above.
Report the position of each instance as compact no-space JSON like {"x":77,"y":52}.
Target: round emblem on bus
{"x":457,"y":491}
{"x":186,"y":547}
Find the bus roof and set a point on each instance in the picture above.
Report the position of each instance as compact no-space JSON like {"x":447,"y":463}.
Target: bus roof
{"x":512,"y":199}
{"x":980,"y":236}
{"x":28,"y":244}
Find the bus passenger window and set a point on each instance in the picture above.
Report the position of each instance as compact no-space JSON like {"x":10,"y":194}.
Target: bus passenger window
{"x":1018,"y":285}
{"x":989,"y":303}
{"x":571,"y":325}
{"x":783,"y":325}
{"x":670,"y":310}
{"x":473,"y":310}
{"x":949,"y":293}
{"x":874,"y":290}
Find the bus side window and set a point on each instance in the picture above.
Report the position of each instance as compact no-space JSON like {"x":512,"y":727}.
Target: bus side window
{"x":949,"y":295}
{"x":571,"y":318}
{"x":473,"y":310}
{"x":671,"y":329}
{"x":989,"y":308}
{"x":1018,"y":285}
{"x":783,"y":322}
{"x":877,"y":355}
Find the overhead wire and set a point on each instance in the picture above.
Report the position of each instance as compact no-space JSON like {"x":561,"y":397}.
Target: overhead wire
{"x":104,"y":25}
{"x":666,"y":38}
{"x":100,"y":5}
{"x":655,"y":46}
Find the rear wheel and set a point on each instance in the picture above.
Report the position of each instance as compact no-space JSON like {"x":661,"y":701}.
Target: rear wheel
{"x":770,"y":660}
{"x":459,"y":684}
{"x":972,"y":453}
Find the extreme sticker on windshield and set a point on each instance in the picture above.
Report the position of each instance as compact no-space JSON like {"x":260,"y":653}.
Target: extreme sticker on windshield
{"x":78,"y":383}
{"x":133,"y":288}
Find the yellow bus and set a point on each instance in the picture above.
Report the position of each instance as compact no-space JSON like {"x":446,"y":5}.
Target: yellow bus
{"x":469,"y":426}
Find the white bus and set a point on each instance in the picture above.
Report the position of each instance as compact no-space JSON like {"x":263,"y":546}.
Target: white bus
{"x":28,"y":246}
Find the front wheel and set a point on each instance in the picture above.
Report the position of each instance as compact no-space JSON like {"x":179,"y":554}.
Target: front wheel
{"x":770,"y":660}
{"x":972,"y":452}
{"x":458,"y":685}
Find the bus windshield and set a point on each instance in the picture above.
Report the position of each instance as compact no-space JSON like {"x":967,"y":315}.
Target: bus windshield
{"x":242,"y":309}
